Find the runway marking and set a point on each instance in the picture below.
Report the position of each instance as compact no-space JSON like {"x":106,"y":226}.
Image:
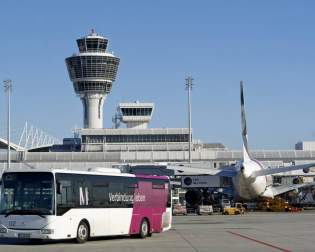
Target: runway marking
{"x":186,"y":240}
{"x":260,"y":242}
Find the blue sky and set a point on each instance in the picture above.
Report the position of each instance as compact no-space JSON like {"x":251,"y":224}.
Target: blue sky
{"x":268,"y":44}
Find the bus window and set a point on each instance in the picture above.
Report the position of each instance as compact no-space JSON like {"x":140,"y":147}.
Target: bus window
{"x":100,"y":195}
{"x":132,"y":185}
{"x":27,"y":193}
{"x":65,"y":199}
{"x":8,"y":198}
{"x":158,"y":185}
{"x":115,"y":188}
{"x":120,"y":196}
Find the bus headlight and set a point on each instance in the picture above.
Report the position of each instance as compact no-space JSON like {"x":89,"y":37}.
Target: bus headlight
{"x":3,"y":230}
{"x":47,"y":231}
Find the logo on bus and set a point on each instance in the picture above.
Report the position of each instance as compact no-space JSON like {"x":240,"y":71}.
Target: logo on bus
{"x":123,"y":197}
{"x":84,"y":196}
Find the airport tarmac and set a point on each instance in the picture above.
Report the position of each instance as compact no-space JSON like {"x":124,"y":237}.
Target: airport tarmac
{"x":246,"y":233}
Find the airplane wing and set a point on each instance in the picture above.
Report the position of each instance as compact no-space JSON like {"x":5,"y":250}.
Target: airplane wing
{"x":270,"y":171}
{"x":190,"y":169}
{"x":282,"y":189}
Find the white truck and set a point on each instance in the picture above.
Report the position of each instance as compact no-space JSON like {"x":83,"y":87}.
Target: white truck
{"x":205,"y":209}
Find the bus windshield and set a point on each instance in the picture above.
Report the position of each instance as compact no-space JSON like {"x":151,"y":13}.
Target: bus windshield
{"x":27,"y":193}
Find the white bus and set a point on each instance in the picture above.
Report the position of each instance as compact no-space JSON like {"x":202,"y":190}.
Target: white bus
{"x":65,"y":204}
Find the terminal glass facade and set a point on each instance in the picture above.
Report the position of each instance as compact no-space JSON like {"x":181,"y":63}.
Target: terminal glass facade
{"x":154,"y":138}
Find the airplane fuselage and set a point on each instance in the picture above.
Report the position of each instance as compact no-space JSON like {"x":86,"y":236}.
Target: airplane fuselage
{"x":251,"y":187}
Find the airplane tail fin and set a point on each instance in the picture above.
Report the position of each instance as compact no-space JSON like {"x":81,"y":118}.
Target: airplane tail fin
{"x":246,"y":154}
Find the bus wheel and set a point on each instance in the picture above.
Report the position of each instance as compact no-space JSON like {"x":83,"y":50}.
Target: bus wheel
{"x":144,"y":229}
{"x":83,"y":232}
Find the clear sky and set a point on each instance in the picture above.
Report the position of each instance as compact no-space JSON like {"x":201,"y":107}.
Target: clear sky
{"x":268,"y":44}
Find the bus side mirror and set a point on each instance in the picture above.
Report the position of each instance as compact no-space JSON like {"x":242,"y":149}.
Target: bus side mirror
{"x":59,"y":187}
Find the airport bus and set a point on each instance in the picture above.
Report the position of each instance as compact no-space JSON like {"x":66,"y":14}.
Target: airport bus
{"x":65,"y":204}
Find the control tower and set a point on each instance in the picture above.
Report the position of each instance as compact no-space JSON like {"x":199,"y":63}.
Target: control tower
{"x":92,"y":71}
{"x":136,"y":115}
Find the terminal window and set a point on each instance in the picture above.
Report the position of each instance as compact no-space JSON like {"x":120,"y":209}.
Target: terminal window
{"x":135,"y":138}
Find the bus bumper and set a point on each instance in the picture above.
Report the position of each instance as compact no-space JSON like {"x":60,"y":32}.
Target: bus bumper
{"x":27,"y":233}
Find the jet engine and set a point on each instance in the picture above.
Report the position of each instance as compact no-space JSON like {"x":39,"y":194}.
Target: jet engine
{"x":193,"y":197}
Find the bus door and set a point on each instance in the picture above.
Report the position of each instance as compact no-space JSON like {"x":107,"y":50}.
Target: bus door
{"x":65,"y":202}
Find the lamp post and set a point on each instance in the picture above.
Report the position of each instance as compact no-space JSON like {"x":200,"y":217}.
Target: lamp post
{"x":189,"y":85}
{"x":8,"y":89}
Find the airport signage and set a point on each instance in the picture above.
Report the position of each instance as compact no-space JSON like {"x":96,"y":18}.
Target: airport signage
{"x":200,"y":181}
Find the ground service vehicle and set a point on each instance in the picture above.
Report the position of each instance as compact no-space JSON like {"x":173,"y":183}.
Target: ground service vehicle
{"x":64,"y":204}
{"x":205,"y":209}
{"x":225,"y":203}
{"x":231,"y":211}
{"x":179,"y":209}
{"x":240,"y":206}
{"x":275,"y":205}
{"x":237,"y":209}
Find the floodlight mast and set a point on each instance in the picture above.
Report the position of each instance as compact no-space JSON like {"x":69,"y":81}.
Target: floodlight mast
{"x":8,"y":89}
{"x":189,"y":85}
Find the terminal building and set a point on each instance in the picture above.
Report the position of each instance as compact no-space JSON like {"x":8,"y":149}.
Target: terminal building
{"x":136,"y":136}
{"x":93,"y":72}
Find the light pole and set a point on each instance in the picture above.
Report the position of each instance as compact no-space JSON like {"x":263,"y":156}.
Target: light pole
{"x":189,"y":85}
{"x":8,"y":88}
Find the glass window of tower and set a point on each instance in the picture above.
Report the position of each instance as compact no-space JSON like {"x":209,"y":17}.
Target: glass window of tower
{"x":81,"y":45}
{"x":92,"y":44}
{"x":102,"y":44}
{"x":136,"y":111}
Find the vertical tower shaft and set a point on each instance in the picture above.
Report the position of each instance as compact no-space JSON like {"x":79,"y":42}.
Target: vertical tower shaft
{"x":93,"y":110}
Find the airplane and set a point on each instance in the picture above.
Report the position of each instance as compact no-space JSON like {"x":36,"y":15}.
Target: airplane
{"x":251,"y":179}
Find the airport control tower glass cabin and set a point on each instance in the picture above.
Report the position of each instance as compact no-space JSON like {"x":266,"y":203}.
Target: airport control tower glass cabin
{"x":92,"y":71}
